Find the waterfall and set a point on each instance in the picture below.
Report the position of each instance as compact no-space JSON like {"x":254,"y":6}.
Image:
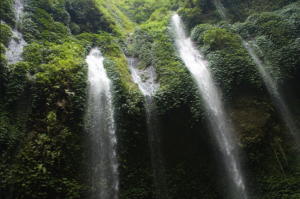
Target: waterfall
{"x":277,"y":97}
{"x":218,"y":120}
{"x":19,"y":8}
{"x":146,"y":82}
{"x":144,"y":78}
{"x":102,"y":141}
{"x":16,"y":44}
{"x":220,"y":9}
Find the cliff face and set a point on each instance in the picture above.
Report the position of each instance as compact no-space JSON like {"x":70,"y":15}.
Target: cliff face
{"x":43,"y":98}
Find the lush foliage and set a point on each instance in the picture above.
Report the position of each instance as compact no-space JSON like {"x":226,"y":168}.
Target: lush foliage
{"x":195,"y":12}
{"x":42,"y":106}
{"x":6,"y":34}
{"x":3,"y":65}
{"x":128,"y":101}
{"x":264,"y":138}
{"x":275,"y":34}
{"x":3,"y":68}
{"x":53,"y":82}
{"x":240,"y":10}
{"x":37,"y":24}
{"x":233,"y":69}
{"x":7,"y":12}
{"x":141,"y":10}
{"x":177,"y":86}
{"x":153,"y":44}
{"x":42,"y":99}
{"x":88,"y":17}
{"x":270,"y":151}
{"x":275,"y":40}
{"x":115,"y":11}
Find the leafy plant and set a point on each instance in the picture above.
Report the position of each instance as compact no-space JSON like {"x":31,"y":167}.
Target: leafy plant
{"x":6,"y":34}
{"x":7,"y":12}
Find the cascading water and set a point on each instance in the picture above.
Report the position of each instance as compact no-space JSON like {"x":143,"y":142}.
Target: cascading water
{"x":217,"y":118}
{"x":146,"y":82}
{"x":220,"y":9}
{"x":274,"y":92}
{"x":102,"y":141}
{"x":16,"y":44}
{"x":19,"y":8}
{"x":144,"y":78}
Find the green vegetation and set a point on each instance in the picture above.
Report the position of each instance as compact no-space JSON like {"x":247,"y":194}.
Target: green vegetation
{"x":3,"y":68}
{"x":276,"y":34}
{"x":42,"y":99}
{"x":47,"y":91}
{"x":268,"y":146}
{"x":177,"y":99}
{"x":7,"y":12}
{"x":42,"y":108}
{"x":141,"y":10}
{"x":6,"y":35}
{"x":233,"y":69}
{"x":153,"y":44}
{"x":113,"y":9}
{"x":88,"y":17}
{"x":240,"y":10}
{"x":195,"y":12}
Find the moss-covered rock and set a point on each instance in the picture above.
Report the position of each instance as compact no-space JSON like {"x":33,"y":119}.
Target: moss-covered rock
{"x":42,"y":99}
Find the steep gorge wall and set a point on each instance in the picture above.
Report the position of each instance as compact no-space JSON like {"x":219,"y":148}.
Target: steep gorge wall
{"x":43,"y":98}
{"x":271,"y":152}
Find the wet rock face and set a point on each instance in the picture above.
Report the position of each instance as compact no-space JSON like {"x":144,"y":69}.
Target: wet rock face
{"x":144,"y":78}
{"x":16,"y":44}
{"x":220,"y":125}
{"x":15,"y":47}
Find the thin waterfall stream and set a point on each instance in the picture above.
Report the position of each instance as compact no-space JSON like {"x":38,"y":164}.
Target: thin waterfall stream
{"x":16,"y":44}
{"x":276,"y":95}
{"x":146,"y":82}
{"x":221,"y":9}
{"x":102,"y":140}
{"x":218,"y":120}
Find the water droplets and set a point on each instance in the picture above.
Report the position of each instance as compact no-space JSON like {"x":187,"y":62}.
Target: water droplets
{"x":217,"y":118}
{"x":144,"y":78}
{"x":101,"y":131}
{"x":16,"y":44}
{"x":272,"y":87}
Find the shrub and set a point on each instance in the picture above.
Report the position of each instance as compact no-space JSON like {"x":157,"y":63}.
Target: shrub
{"x":6,"y":34}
